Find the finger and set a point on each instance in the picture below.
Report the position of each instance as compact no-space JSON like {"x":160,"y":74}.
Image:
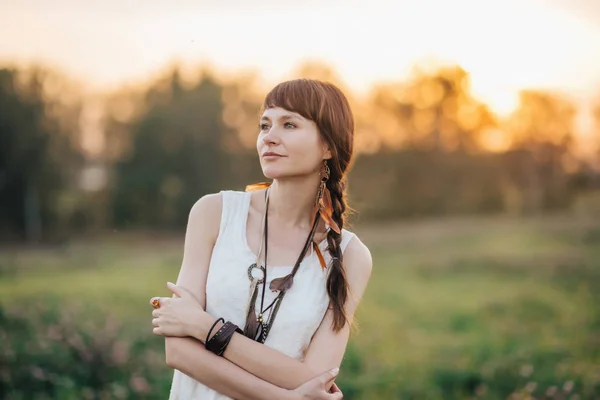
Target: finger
{"x":336,"y":396}
{"x":155,"y":313}
{"x":177,"y":290}
{"x":155,"y":321}
{"x":157,"y":331}
{"x":156,"y":302}
{"x":335,"y":388}
{"x":328,"y":376}
{"x":180,"y":291}
{"x":164,"y":301}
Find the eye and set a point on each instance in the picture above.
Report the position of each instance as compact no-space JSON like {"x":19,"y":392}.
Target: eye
{"x":263,"y":127}
{"x":289,"y":125}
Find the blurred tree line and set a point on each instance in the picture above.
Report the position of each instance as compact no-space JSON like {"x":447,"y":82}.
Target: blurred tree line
{"x":426,"y":146}
{"x":39,"y":160}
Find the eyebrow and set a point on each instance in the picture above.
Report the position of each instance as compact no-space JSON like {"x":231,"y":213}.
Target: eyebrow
{"x":285,"y":117}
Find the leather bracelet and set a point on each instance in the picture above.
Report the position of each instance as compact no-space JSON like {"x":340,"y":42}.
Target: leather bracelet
{"x":226,"y":338}
{"x":211,"y":329}
{"x":213,"y":344}
{"x":219,"y":342}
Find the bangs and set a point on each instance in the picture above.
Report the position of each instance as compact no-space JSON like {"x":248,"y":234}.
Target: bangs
{"x":301,"y":96}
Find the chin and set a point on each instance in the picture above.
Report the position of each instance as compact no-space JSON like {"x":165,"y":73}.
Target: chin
{"x":272,"y":173}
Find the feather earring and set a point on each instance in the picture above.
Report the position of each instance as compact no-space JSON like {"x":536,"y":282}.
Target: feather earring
{"x":319,"y":255}
{"x":324,"y":205}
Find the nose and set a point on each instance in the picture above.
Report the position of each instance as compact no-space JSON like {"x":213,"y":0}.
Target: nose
{"x":271,"y":137}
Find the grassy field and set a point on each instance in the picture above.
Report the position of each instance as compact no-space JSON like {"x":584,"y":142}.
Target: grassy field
{"x":490,"y":308}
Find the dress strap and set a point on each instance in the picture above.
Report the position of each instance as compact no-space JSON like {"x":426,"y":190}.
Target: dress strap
{"x":234,"y":215}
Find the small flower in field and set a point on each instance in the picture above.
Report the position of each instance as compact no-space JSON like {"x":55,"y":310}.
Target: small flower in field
{"x":568,"y":386}
{"x":551,"y":391}
{"x":139,"y":384}
{"x":120,"y":352}
{"x":38,"y":373}
{"x":530,"y":387}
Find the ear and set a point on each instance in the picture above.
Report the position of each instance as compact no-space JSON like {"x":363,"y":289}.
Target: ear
{"x":326,"y":153}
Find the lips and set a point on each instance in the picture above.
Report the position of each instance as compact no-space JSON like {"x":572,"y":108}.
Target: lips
{"x":270,"y":154}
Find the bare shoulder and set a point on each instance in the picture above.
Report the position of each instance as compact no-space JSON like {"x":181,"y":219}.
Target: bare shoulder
{"x":205,"y":214}
{"x":358,"y":262}
{"x":207,"y":204}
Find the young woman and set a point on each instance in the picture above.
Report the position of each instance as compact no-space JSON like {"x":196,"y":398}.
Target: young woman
{"x":270,"y":279}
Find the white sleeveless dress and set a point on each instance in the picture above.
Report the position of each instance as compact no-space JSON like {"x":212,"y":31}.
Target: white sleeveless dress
{"x":228,"y":292}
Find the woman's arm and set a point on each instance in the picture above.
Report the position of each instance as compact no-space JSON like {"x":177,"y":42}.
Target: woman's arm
{"x":327,"y":347}
{"x":268,"y":364}
{"x":190,"y":356}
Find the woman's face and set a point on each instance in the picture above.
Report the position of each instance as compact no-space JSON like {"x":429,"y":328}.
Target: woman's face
{"x":289,"y":145}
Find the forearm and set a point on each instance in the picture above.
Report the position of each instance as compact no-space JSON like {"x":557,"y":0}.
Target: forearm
{"x":190,"y":357}
{"x":268,"y":364}
{"x":262,"y":361}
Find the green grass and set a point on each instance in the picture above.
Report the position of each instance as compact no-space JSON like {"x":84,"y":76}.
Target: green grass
{"x":456,"y":309}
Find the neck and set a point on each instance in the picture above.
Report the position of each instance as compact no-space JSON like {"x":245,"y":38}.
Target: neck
{"x":293,"y":200}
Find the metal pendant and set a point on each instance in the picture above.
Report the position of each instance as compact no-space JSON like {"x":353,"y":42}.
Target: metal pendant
{"x":263,"y":338}
{"x":256,"y":273}
{"x":261,"y":333}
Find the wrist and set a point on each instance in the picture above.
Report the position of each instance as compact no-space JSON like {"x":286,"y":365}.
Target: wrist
{"x":200,"y":325}
{"x":204,"y":324}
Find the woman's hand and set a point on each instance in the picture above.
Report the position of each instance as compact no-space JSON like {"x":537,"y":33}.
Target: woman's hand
{"x":335,"y":389}
{"x":178,"y":316}
{"x":317,"y":388}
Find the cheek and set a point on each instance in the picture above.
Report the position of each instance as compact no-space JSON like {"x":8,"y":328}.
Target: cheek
{"x":308,"y":154}
{"x":307,"y":142}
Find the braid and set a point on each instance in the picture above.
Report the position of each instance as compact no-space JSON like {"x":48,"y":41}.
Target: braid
{"x":326,"y":105}
{"x":337,"y":285}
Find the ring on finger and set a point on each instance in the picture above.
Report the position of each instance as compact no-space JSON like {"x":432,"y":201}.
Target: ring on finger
{"x":156,"y":302}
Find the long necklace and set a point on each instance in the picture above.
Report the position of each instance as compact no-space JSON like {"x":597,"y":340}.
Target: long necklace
{"x":257,"y":328}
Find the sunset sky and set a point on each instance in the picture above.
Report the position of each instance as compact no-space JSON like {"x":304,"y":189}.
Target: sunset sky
{"x":506,"y":45}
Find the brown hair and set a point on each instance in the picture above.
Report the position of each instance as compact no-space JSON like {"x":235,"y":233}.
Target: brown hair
{"x":326,"y":105}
